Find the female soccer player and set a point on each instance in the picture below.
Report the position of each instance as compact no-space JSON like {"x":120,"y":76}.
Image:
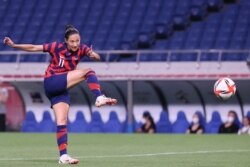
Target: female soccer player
{"x":62,"y":75}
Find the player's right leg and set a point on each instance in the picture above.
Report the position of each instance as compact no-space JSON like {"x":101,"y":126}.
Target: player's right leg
{"x":77,"y":76}
{"x":61,"y":111}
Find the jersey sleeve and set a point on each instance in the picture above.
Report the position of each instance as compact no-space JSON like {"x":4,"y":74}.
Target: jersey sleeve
{"x":50,"y":47}
{"x":84,"y":50}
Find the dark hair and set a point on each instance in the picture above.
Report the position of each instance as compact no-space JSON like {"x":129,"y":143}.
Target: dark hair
{"x":146,"y":114}
{"x":234,"y":113}
{"x":70,"y":30}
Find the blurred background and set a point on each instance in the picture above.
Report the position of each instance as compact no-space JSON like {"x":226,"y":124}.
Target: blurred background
{"x":158,"y":56}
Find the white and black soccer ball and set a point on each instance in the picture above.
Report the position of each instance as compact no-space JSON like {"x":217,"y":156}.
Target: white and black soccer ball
{"x":224,"y":88}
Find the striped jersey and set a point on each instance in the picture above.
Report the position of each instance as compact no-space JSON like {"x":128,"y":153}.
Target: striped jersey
{"x":63,"y":60}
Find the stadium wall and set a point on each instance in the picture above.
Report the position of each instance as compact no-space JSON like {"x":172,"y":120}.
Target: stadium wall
{"x":136,"y":71}
{"x":156,"y":97}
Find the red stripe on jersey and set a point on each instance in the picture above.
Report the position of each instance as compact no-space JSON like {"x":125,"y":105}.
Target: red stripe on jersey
{"x":52,"y":50}
{"x":55,"y":59}
{"x":84,"y":49}
{"x":74,"y":63}
{"x":79,"y":54}
{"x":94,"y":86}
{"x":60,"y":45}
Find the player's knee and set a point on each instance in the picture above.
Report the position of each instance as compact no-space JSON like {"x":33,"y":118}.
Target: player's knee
{"x":62,"y":121}
{"x":88,"y":71}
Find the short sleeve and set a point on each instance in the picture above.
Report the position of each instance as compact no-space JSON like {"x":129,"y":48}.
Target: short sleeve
{"x":84,"y":50}
{"x":49,"y":47}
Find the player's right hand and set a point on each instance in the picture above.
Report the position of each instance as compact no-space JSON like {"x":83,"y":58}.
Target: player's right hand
{"x":8,"y":41}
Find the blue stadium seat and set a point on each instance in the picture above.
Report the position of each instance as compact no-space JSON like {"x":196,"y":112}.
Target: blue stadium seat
{"x":80,"y":124}
{"x":29,"y":123}
{"x":33,"y":58}
{"x":145,"y":40}
{"x":209,"y":57}
{"x":96,"y":125}
{"x":199,"y":2}
{"x":113,"y":125}
{"x":181,"y":21}
{"x":215,"y":5}
{"x":8,"y":58}
{"x":198,"y":13}
{"x":214,"y":124}
{"x":137,"y":125}
{"x":248,"y":114}
{"x":163,"y":31}
{"x":107,"y":25}
{"x":181,"y":124}
{"x":47,"y":124}
{"x":163,"y":125}
{"x":233,"y":57}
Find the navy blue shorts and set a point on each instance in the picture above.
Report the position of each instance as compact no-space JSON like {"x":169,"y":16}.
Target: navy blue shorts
{"x":56,"y":89}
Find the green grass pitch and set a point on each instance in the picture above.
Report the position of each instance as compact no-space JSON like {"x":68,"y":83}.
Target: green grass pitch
{"x":127,"y":150}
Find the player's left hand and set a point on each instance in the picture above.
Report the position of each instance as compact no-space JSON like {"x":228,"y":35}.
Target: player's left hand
{"x":90,"y":52}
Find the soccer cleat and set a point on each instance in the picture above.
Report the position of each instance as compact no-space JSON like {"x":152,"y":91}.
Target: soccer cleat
{"x":66,"y":159}
{"x":103,"y":100}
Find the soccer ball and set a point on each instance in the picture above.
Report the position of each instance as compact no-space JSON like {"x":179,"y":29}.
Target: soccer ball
{"x":224,"y":88}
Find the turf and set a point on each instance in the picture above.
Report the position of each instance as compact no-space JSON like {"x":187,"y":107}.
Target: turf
{"x":127,"y":150}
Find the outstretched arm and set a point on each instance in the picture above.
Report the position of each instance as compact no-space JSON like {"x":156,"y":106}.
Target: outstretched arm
{"x":25,"y":47}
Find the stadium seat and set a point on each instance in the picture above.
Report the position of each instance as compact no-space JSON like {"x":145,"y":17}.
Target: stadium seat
{"x":96,"y":125}
{"x":80,"y":124}
{"x":8,"y":58}
{"x":163,"y":125}
{"x":29,"y":124}
{"x":137,"y":125}
{"x":113,"y":125}
{"x":198,"y":13}
{"x":248,"y":114}
{"x":181,"y":124}
{"x":214,"y":5}
{"x":113,"y":27}
{"x":47,"y":124}
{"x":214,"y":124}
{"x":181,"y":22}
{"x":163,"y":31}
{"x":145,"y":40}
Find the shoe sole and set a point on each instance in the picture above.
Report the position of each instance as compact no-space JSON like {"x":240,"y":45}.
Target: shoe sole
{"x":72,"y":163}
{"x":108,"y":103}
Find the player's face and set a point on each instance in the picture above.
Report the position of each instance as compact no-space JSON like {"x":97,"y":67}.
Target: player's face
{"x":73,"y":42}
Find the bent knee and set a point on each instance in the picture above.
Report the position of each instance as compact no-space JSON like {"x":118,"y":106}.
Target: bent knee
{"x":88,"y":72}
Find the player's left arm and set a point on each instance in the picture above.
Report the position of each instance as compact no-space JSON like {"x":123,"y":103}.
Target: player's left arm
{"x":93,"y":55}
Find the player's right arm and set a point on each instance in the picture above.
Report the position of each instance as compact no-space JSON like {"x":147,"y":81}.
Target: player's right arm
{"x":25,"y":47}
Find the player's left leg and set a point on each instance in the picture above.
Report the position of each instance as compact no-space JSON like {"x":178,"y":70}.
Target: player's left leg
{"x":77,"y":76}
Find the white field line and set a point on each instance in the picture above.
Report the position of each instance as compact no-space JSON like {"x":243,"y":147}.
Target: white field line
{"x":129,"y":155}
